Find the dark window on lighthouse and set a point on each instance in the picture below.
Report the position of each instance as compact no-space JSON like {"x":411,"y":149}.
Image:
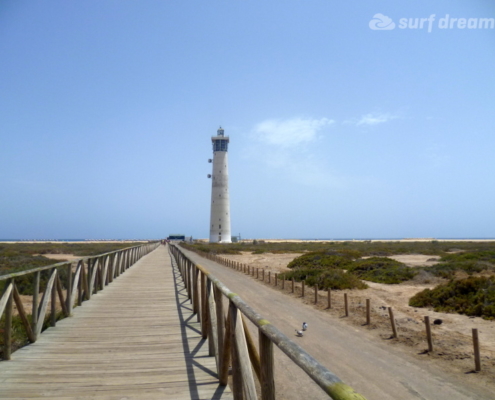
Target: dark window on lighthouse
{"x":220,"y":145}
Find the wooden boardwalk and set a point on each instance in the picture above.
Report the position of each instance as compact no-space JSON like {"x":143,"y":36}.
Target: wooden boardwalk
{"x":137,"y":339}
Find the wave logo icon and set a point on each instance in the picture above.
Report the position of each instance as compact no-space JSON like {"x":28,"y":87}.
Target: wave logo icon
{"x":381,"y":22}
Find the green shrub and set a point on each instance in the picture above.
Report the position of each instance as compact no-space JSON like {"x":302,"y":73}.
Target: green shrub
{"x":473,"y":296}
{"x":322,"y":260}
{"x":335,"y":279}
{"x":448,"y":269}
{"x":363,"y":248}
{"x":338,"y":279}
{"x":488,"y":256}
{"x":382,"y":270}
{"x":325,"y":269}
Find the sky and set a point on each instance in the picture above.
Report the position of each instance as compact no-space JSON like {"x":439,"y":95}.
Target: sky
{"x":358,"y":119}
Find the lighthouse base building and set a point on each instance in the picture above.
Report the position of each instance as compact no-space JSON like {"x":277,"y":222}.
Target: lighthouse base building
{"x":220,"y":202}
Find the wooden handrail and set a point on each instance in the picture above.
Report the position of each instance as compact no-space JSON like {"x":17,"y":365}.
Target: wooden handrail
{"x":92,"y":273}
{"x":234,"y":339}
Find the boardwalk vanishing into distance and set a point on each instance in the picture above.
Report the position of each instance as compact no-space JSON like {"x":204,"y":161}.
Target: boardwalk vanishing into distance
{"x":137,"y":339}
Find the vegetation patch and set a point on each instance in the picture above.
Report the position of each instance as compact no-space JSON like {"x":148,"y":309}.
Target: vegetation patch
{"x":15,"y":257}
{"x":18,"y":257}
{"x":469,"y":262}
{"x":365,"y":248}
{"x":323,"y":260}
{"x":335,"y":279}
{"x":382,"y":270}
{"x":473,"y":296}
{"x":325,"y":269}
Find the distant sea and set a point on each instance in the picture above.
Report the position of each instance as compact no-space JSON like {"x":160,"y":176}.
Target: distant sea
{"x":68,"y":240}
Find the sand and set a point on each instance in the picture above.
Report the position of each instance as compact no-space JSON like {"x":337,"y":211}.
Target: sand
{"x":453,"y":347}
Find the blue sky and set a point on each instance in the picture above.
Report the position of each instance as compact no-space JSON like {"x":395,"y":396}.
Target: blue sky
{"x":336,"y":130}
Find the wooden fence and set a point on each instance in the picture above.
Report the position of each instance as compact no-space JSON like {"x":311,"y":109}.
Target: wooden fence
{"x":245,"y":268}
{"x":70,"y":282}
{"x":231,"y":344}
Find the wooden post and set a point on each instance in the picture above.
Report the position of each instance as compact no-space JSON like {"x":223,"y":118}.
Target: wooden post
{"x":269,"y":277}
{"x":267,"y":381}
{"x":263,"y":274}
{"x":276,"y":280}
{"x":253,"y":354}
{"x":428,"y":333}
{"x":7,"y":334}
{"x":392,"y":322}
{"x":53,"y":304}
{"x":196,"y":293}
{"x":223,"y":375}
{"x":329,"y":298}
{"x":368,"y":311}
{"x":68,"y":297}
{"x":204,"y":312}
{"x":476,"y":344}
{"x":237,"y":390}
{"x":36,"y":290}
{"x":80,"y":285}
{"x":220,"y":325}
{"x":346,"y":305}
{"x":257,"y":273}
{"x":316,"y":294}
{"x":212,"y":324}
{"x":303,"y":281}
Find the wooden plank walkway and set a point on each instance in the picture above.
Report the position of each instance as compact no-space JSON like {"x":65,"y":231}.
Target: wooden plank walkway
{"x":137,"y":339}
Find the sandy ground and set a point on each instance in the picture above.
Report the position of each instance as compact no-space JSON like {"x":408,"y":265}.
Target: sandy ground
{"x":452,"y":339}
{"x":61,"y":257}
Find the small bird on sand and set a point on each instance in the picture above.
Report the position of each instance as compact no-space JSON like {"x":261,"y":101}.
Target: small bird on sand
{"x":299,"y":333}
{"x":305,"y":326}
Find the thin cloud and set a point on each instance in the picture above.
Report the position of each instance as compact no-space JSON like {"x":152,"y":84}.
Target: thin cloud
{"x":374,"y":119}
{"x":371,"y":119}
{"x":291,"y":132}
{"x":290,"y":150}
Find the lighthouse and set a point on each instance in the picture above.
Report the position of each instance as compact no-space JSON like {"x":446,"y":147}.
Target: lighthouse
{"x":220,"y":201}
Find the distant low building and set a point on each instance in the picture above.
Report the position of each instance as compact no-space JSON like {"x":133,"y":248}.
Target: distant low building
{"x":176,"y":236}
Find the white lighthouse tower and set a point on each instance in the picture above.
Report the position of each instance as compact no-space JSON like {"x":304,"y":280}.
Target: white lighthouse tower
{"x":220,"y":201}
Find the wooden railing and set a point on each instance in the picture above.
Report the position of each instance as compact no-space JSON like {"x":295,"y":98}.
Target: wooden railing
{"x":71,"y":282}
{"x":230,"y":342}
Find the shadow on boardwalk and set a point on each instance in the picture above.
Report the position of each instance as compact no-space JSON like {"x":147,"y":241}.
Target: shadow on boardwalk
{"x":135,"y":340}
{"x":184,"y":307}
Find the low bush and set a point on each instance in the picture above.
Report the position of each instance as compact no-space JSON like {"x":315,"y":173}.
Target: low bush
{"x":473,"y":296}
{"x":322,"y":260}
{"x":363,"y":248}
{"x":382,"y":270}
{"x":448,"y":269}
{"x":335,"y":279}
{"x":488,"y":256}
